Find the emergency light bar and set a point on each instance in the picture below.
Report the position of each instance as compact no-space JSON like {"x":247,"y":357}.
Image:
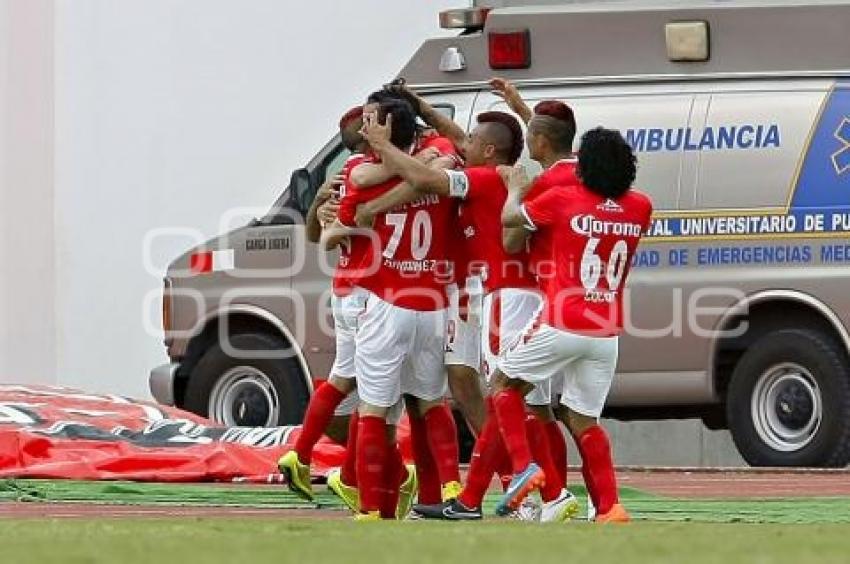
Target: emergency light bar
{"x":464,"y":18}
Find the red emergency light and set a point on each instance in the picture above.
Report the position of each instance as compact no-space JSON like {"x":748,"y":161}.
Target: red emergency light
{"x":509,"y":49}
{"x":201,"y":262}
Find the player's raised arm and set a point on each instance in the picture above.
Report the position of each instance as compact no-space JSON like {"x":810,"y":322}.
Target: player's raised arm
{"x":505,"y":90}
{"x":420,"y":176}
{"x":516,"y":179}
{"x":444,"y":125}
{"x":402,"y":194}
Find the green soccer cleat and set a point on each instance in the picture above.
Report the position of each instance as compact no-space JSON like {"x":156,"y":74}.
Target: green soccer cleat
{"x":368,"y":517}
{"x":297,"y":474}
{"x":451,"y":490}
{"x":348,"y":494}
{"x":407,"y":493}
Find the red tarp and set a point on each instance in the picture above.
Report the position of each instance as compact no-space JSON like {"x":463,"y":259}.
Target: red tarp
{"x":52,"y":432}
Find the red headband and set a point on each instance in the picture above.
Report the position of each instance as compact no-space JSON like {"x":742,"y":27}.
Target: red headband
{"x":354,"y":113}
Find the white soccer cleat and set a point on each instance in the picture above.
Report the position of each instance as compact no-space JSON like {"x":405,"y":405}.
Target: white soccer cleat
{"x":560,"y":510}
{"x":529,"y":510}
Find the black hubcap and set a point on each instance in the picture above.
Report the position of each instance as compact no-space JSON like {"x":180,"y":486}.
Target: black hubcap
{"x":251,"y":408}
{"x":794,"y":406}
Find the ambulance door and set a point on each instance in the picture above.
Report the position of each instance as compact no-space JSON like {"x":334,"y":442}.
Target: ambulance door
{"x":738,"y":234}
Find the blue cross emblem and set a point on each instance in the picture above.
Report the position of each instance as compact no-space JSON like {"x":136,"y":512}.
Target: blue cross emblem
{"x":841,"y":158}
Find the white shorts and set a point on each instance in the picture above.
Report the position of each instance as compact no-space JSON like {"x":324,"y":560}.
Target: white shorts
{"x":346,"y":311}
{"x":399,"y":351}
{"x":349,"y":404}
{"x":463,"y":336}
{"x":590,"y":363}
{"x":506,"y":314}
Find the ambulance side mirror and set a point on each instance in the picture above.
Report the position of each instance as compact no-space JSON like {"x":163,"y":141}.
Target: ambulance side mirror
{"x":302,"y":189}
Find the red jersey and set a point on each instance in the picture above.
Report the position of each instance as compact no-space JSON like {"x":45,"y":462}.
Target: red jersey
{"x":442,"y":144}
{"x":540,"y":263}
{"x":483,"y":193}
{"x":457,"y":253}
{"x":405,"y":262}
{"x":594,"y":240}
{"x":342,"y":282}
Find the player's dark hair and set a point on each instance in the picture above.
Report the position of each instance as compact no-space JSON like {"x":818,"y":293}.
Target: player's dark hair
{"x":508,"y":138}
{"x":404,"y":122}
{"x":606,"y":162}
{"x":383,"y":95}
{"x":555,"y":121}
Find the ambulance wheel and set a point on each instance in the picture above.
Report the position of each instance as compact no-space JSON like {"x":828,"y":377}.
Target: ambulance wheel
{"x":788,"y":402}
{"x":248,"y":392}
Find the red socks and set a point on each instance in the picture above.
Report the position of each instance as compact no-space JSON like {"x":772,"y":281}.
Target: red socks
{"x":595,"y":451}
{"x":348,"y":474}
{"x":426,"y":467}
{"x":373,"y":454}
{"x":539,"y":443}
{"x":319,"y":413}
{"x":394,"y":473}
{"x":510,"y":412}
{"x":488,"y":453}
{"x":442,"y":438}
{"x":558,"y":448}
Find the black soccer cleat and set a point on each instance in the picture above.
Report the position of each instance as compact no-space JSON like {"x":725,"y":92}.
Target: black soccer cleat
{"x":452,"y":510}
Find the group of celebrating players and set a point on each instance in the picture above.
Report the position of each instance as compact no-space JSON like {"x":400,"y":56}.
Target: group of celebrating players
{"x":457,"y":271}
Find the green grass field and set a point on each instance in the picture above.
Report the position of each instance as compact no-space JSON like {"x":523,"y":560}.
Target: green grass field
{"x":255,"y":541}
{"x":666,"y":530}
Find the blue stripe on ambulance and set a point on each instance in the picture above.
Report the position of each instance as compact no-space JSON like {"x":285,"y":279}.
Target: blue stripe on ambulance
{"x":824,"y":180}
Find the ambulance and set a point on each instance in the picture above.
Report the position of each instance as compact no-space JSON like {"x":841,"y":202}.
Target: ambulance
{"x":739,"y":301}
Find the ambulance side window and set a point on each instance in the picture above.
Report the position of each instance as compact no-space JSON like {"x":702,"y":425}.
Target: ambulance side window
{"x":334,"y":166}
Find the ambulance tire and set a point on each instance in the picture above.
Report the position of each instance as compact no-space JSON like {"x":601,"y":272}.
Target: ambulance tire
{"x":788,"y":402}
{"x":248,"y":392}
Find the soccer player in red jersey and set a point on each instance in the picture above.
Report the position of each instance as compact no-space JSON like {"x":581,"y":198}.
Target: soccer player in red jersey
{"x":511,"y":296}
{"x":595,"y":226}
{"x":399,"y":337}
{"x":463,"y":336}
{"x":551,"y":130}
{"x":433,"y":433}
{"x":333,"y":408}
{"x":333,"y":403}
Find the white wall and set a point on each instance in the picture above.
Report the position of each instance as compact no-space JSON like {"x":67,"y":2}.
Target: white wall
{"x":27,"y":276}
{"x":167,"y":113}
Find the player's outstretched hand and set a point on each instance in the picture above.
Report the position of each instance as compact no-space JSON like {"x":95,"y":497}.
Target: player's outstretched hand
{"x":364,"y":217}
{"x":330,"y":189}
{"x":327,"y":212}
{"x":503,"y":88}
{"x":506,"y":90}
{"x":515,"y":178}
{"x":427,"y":155}
{"x":399,"y":86}
{"x":375,"y":133}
